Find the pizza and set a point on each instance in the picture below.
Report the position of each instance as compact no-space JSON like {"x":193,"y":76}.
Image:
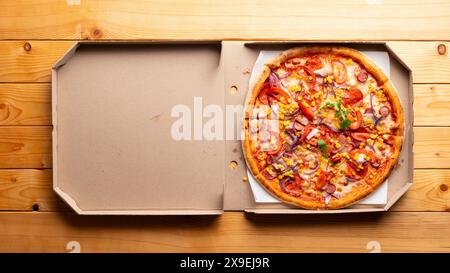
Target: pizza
{"x":323,"y":127}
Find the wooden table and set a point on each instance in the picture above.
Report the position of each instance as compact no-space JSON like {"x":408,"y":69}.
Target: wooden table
{"x":34,"y":34}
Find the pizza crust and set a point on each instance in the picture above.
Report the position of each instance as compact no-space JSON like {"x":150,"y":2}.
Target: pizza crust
{"x":358,"y":192}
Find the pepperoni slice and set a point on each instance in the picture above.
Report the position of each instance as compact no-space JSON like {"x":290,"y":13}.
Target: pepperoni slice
{"x":362,"y":76}
{"x":339,"y":71}
{"x":352,"y":96}
{"x":384,"y":111}
{"x":331,"y":188}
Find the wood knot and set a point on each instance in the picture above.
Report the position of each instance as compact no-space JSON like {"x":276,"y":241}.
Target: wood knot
{"x":35,"y":207}
{"x":27,"y":46}
{"x":443,"y":187}
{"x":97,"y":33}
{"x":2,"y":106}
{"x":442,"y":49}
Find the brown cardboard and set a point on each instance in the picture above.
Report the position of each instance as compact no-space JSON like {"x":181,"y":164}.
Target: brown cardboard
{"x":93,"y":74}
{"x":112,"y":152}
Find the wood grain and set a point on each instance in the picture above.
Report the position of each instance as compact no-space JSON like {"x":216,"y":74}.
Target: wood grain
{"x":28,"y":189}
{"x":30,"y":104}
{"x":432,"y":105}
{"x":30,"y":147}
{"x":20,"y":189}
{"x":19,"y":65}
{"x":231,"y":232}
{"x":25,"y":104}
{"x":432,"y":147}
{"x":429,"y":192}
{"x":29,"y":30}
{"x":230,"y":19}
{"x":25,"y":147}
{"x":425,"y":61}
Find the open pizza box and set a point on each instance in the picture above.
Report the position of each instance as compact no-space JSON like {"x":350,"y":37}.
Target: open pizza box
{"x":135,"y":128}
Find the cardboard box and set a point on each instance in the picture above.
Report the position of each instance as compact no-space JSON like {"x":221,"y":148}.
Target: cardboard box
{"x":113,"y":112}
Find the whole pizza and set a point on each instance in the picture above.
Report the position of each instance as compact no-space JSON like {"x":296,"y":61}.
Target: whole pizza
{"x":323,"y":127}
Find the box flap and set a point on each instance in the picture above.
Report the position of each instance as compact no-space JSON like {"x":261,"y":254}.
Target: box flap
{"x":115,"y":150}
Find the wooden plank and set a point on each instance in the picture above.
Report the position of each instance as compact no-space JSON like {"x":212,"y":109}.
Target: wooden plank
{"x":25,"y":104}
{"x":432,"y":104}
{"x":429,"y":192}
{"x":22,"y":61}
{"x":429,"y":61}
{"x":30,"y":147}
{"x":231,"y":19}
{"x":29,"y":104}
{"x":25,"y":147}
{"x":20,"y":189}
{"x":432,"y":147}
{"x":230,"y":232}
{"x":27,"y":190}
{"x":19,"y":65}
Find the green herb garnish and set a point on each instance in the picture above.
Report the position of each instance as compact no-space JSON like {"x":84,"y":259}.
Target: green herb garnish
{"x":322,"y":145}
{"x":341,"y":113}
{"x":345,"y":124}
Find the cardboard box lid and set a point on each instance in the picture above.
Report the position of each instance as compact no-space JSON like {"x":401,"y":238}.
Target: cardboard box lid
{"x":113,"y":148}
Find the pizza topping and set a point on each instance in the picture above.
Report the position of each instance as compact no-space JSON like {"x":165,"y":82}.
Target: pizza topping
{"x":274,"y":81}
{"x":335,"y":127}
{"x":322,"y":145}
{"x":309,"y":162}
{"x":293,"y":63}
{"x":306,"y":110}
{"x":355,"y":118}
{"x":312,"y":134}
{"x":352,"y":96}
{"x":339,"y":71}
{"x":314,"y":63}
{"x":384,"y":111}
{"x":361,"y":75}
{"x":331,"y":188}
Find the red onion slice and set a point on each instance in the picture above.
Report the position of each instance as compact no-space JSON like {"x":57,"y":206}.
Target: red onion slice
{"x":327,"y":199}
{"x":336,"y":195}
{"x":312,"y":133}
{"x":274,"y":81}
